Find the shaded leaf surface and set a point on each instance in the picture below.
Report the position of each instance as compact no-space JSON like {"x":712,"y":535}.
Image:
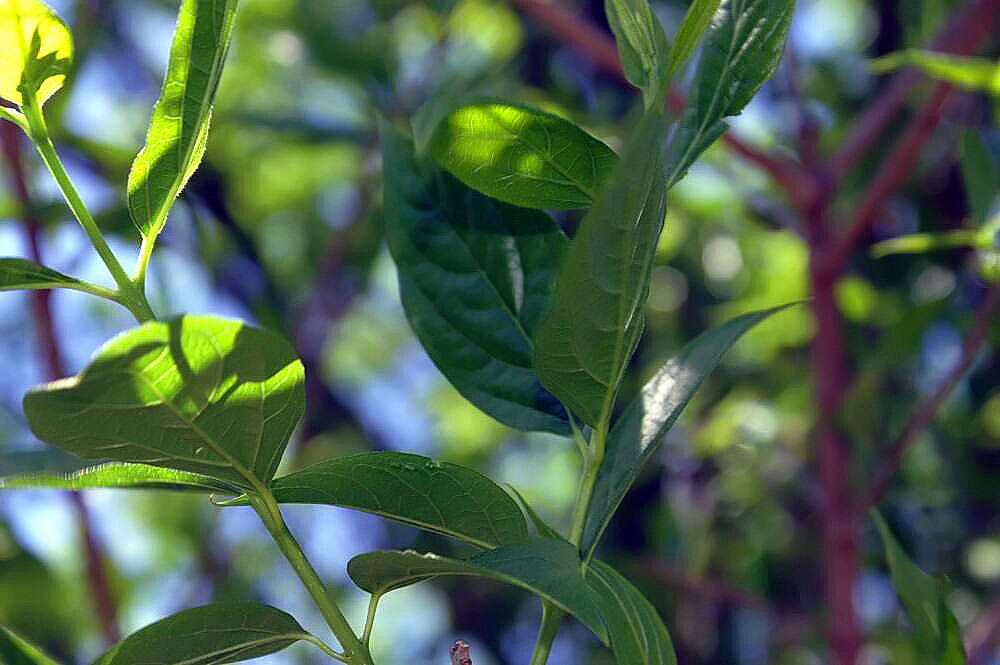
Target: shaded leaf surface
{"x":548,"y":568}
{"x":696,"y":21}
{"x":178,"y":129}
{"x":521,"y":156}
{"x":16,"y":273}
{"x":15,"y":650}
{"x":208,"y":635}
{"x":638,"y":636}
{"x":741,"y":52}
{"x":980,"y":174}
{"x":935,"y":629}
{"x":198,"y":394}
{"x":437,"y":496}
{"x":586,"y":339}
{"x":36,"y":48}
{"x":641,"y":428}
{"x":642,"y":45}
{"x":474,"y":277}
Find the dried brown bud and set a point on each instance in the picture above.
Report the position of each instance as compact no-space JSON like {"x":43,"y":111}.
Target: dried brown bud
{"x":460,"y":653}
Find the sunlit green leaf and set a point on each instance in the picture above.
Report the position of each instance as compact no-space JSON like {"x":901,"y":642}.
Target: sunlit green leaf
{"x":36,"y":49}
{"x":642,"y":45}
{"x":638,"y":636}
{"x":980,"y":175}
{"x":15,"y":650}
{"x":199,"y":394}
{"x":548,"y":568}
{"x":16,"y":273}
{"x":178,"y":129}
{"x":968,"y":71}
{"x":521,"y":156}
{"x":584,"y":342}
{"x":436,"y":496}
{"x":643,"y":425}
{"x":209,"y":635}
{"x":935,"y":629}
{"x":741,"y":52}
{"x":696,"y":21}
{"x":121,"y":475}
{"x":474,"y":277}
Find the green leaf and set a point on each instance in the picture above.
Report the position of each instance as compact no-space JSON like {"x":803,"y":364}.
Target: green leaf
{"x":584,"y":342}
{"x":548,"y":568}
{"x":920,"y":243}
{"x":696,"y":21}
{"x":16,"y":273}
{"x":36,"y":49}
{"x":178,"y":129}
{"x":436,"y":496}
{"x":980,"y":175}
{"x":521,"y":156}
{"x":936,"y":631}
{"x":474,"y":277}
{"x":541,"y":527}
{"x":209,"y":635}
{"x":638,"y":636}
{"x":121,"y":475}
{"x":967,"y":71}
{"x":15,"y":650}
{"x":642,"y":45}
{"x":741,"y":52}
{"x":641,"y":428}
{"x":200,"y":394}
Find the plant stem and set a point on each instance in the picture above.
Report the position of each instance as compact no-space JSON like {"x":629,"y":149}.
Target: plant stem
{"x":552,"y":616}
{"x":128,"y":293}
{"x":355,"y":652}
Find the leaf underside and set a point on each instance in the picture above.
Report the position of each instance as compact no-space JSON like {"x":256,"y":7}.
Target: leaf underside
{"x":17,"y":273}
{"x":36,"y":48}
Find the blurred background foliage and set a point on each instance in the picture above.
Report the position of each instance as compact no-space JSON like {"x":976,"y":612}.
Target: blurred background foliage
{"x":282,"y":225}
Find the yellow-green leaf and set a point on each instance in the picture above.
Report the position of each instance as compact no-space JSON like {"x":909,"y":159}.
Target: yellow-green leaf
{"x":36,"y":49}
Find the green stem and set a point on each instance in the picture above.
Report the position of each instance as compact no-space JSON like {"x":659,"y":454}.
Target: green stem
{"x":129,"y":294}
{"x":355,"y":652}
{"x":552,"y":617}
{"x":366,"y":636}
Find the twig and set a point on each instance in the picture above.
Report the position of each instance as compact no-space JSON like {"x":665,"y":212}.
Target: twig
{"x":925,"y":411}
{"x":460,"y":653}
{"x":103,"y":598}
{"x":962,"y":35}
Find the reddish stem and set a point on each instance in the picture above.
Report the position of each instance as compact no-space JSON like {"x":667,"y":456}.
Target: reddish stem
{"x":51,"y":354}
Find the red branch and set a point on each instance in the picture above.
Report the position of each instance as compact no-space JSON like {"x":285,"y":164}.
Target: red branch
{"x":925,"y":411}
{"x":103,"y":598}
{"x":601,"y":48}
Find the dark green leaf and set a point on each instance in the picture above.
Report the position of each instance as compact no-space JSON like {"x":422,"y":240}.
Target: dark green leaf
{"x":122,"y":475}
{"x":178,"y":129}
{"x":548,"y":568}
{"x":15,"y":650}
{"x":935,"y":629}
{"x":696,"y":21}
{"x":980,"y":175}
{"x":18,"y":273}
{"x":640,"y":430}
{"x":586,"y":339}
{"x":521,"y":156}
{"x":474,"y":277}
{"x":741,"y":52}
{"x":541,"y":527}
{"x":209,"y":635}
{"x":642,"y":45}
{"x":198,"y":394}
{"x":436,"y":496}
{"x":638,"y":636}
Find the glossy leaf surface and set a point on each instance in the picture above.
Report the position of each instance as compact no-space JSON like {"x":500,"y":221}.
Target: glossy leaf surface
{"x":208,"y":635}
{"x":436,"y":496}
{"x":15,"y":650}
{"x":474,"y":277}
{"x":586,"y":339}
{"x":36,"y":50}
{"x":696,"y":21}
{"x":638,"y":636}
{"x":178,"y":129}
{"x":521,"y":155}
{"x":200,"y":394}
{"x":642,"y":45}
{"x":741,"y":52}
{"x":935,"y":629}
{"x":641,"y":428}
{"x":16,"y":273}
{"x":548,"y":568}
